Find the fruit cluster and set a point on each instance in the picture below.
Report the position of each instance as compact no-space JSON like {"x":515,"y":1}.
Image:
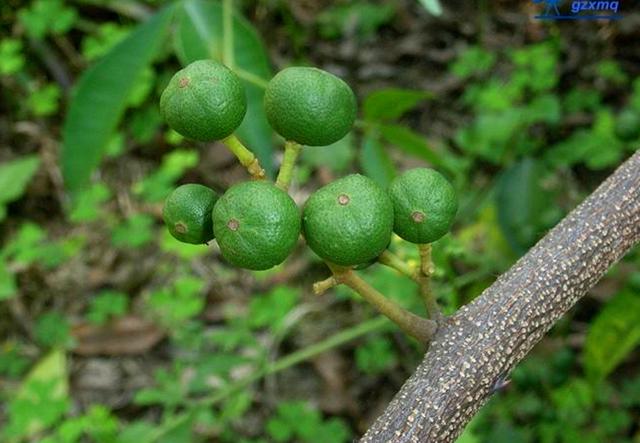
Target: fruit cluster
{"x":256,"y":223}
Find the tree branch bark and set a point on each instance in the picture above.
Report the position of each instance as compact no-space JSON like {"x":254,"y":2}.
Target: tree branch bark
{"x":477,"y":347}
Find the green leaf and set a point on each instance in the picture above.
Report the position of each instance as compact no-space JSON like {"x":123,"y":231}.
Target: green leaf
{"x":391,"y":103}
{"x":136,"y":231}
{"x":44,"y":101}
{"x":411,"y":142}
{"x":86,"y":206}
{"x":199,"y":36}
{"x":14,"y":177}
{"x":573,"y":401}
{"x":41,"y":400}
{"x":47,"y":16}
{"x":336,"y":156}
{"x":523,"y":205}
{"x":174,"y":305}
{"x":52,"y":330}
{"x":376,"y":355}
{"x":159,"y":184}
{"x":183,"y":250}
{"x":473,"y":60}
{"x":101,"y":97}
{"x":11,"y":57}
{"x":8,"y":287}
{"x":271,"y":309}
{"x":106,"y":305}
{"x":598,"y":147}
{"x":361,"y":19}
{"x":613,"y":335}
{"x":105,"y":37}
{"x":375,"y":161}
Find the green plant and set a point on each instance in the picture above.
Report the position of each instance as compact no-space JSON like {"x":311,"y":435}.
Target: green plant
{"x":30,"y":248}
{"x":528,"y":142}
{"x":348,"y":222}
{"x":14,"y":177}
{"x":296,"y":421}
{"x":106,"y":305}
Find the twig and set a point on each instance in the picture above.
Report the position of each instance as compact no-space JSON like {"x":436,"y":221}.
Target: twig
{"x":426,"y":271}
{"x":291,"y":152}
{"x":246,"y":157}
{"x":413,"y":325}
{"x":426,"y":265}
{"x":320,"y":287}
{"x":486,"y":338}
{"x":391,"y":260}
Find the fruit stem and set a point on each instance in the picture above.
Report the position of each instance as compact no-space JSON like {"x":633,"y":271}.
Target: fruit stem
{"x":391,"y":260}
{"x":420,"y":328}
{"x":426,"y":292}
{"x":291,"y":152}
{"x":246,"y":157}
{"x":320,"y":287}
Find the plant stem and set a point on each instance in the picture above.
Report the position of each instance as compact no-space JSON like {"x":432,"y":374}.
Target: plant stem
{"x":413,"y":325}
{"x":291,"y":152}
{"x":320,"y":287}
{"x":227,"y":33}
{"x":246,"y":157}
{"x":297,"y":357}
{"x":391,"y":260}
{"x":251,"y":78}
{"x":426,"y":271}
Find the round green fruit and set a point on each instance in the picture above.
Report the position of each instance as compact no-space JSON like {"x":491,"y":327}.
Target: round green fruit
{"x":204,"y":101}
{"x":348,"y":222}
{"x":187,"y":213}
{"x":257,"y":225}
{"x":424,"y":204}
{"x":309,"y":106}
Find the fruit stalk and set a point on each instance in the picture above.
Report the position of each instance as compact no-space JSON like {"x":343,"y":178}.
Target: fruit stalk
{"x":426,"y":271}
{"x":420,"y":328}
{"x":391,"y":260}
{"x":245,"y":157}
{"x":320,"y":287}
{"x":291,"y":152}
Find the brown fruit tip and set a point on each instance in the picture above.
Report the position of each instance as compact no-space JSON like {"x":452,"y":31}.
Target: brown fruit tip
{"x":233,"y":224}
{"x":417,"y":216}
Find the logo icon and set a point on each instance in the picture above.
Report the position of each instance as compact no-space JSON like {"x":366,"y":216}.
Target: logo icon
{"x":580,"y":10}
{"x":549,"y":5}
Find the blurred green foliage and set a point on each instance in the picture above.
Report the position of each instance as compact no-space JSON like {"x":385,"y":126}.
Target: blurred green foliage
{"x":513,"y":160}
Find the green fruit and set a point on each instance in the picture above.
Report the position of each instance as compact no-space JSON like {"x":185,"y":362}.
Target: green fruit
{"x":310,"y":106}
{"x":187,"y":213}
{"x":348,"y":222}
{"x":204,"y":101}
{"x":424,"y":204}
{"x":257,"y":225}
